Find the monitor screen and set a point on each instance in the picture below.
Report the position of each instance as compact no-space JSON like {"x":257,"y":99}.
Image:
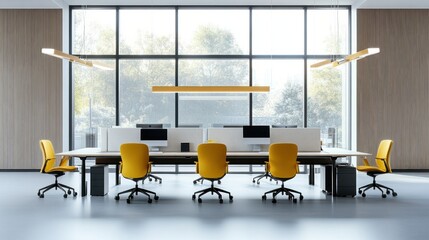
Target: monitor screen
{"x":148,"y":125}
{"x":153,"y":134}
{"x":256,"y":131}
{"x":256,"y":134}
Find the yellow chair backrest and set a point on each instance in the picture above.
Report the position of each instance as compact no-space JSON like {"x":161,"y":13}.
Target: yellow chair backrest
{"x":212,"y":160}
{"x":48,"y":155}
{"x":135,"y":160}
{"x":282,"y":160}
{"x":383,"y":155}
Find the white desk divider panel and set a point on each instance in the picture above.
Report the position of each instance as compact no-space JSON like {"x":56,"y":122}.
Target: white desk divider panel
{"x":231,"y":137}
{"x":117,"y":136}
{"x":176,"y":136}
{"x":102,"y":139}
{"x":307,"y":139}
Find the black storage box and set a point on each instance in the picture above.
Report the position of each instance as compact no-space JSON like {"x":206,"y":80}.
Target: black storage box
{"x":99,"y":180}
{"x":346,"y":179}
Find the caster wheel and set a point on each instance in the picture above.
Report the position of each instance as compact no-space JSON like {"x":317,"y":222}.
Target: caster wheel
{"x":363,"y":194}
{"x":258,"y":182}
{"x":301,"y":198}
{"x":195,"y":182}
{"x":69,"y":192}
{"x":274,"y":201}
{"x":360,"y":191}
{"x":383,"y":195}
{"x":219,"y":182}
{"x":231,"y":197}
{"x":394,"y":194}
{"x":200,"y":200}
{"x":220,"y":201}
{"x":128,"y":201}
{"x":193,"y":197}
{"x":156,"y":198}
{"x":150,"y":179}
{"x":131,"y":197}
{"x":65,"y":195}
{"x":294,"y":200}
{"x":117,"y":198}
{"x":74,"y":194}
{"x":264,"y":197}
{"x":290,"y":198}
{"x":271,"y":179}
{"x":387,"y":192}
{"x":149,"y":200}
{"x":253,"y":181}
{"x":38,"y":194}
{"x":160,"y":181}
{"x":42,"y":195}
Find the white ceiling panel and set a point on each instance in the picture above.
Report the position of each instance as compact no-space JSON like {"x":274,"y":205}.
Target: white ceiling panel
{"x":356,"y":3}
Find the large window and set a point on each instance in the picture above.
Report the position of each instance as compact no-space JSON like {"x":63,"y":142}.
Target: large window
{"x":210,"y":46}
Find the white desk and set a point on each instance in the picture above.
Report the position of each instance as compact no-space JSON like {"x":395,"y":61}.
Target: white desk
{"x":327,"y":156}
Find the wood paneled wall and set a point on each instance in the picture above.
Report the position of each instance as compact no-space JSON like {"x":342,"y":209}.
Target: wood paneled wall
{"x":30,"y":86}
{"x":393,"y":86}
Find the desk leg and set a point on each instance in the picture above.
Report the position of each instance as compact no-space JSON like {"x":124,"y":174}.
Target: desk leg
{"x":311,"y":175}
{"x":118,"y":179}
{"x":83,"y":177}
{"x":334,"y":177}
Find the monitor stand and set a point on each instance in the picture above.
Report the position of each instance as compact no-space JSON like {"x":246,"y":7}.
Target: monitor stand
{"x":256,"y":147}
{"x":154,"y":149}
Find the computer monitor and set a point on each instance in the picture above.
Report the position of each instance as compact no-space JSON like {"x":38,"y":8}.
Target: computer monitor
{"x":154,"y":137}
{"x":148,"y":125}
{"x":284,"y":126}
{"x":256,"y":134}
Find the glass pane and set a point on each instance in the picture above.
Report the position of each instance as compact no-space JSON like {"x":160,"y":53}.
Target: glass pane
{"x":93,"y":31}
{"x":137,"y":103}
{"x":328,"y":31}
{"x":219,"y":31}
{"x":147,"y":31}
{"x":215,"y":108}
{"x":94,"y":102}
{"x":283,"y":105}
{"x":327,"y":107}
{"x":278,"y":31}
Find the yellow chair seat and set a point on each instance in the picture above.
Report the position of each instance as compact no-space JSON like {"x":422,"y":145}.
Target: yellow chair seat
{"x":62,"y":169}
{"x":369,"y":169}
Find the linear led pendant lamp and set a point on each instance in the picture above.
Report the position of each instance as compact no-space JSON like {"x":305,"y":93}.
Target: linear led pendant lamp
{"x":62,"y":55}
{"x":210,"y":89}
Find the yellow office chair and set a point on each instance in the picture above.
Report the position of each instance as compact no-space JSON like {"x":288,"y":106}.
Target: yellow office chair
{"x":282,"y":166}
{"x":48,"y":167}
{"x":135,"y":165}
{"x":212,"y":166}
{"x":383,"y":166}
{"x":200,"y":179}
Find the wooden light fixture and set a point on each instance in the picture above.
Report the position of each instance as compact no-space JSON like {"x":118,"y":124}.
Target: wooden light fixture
{"x":209,"y":89}
{"x":59,"y":54}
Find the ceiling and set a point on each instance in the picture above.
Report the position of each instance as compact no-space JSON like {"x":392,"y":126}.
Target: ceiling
{"x":355,"y":3}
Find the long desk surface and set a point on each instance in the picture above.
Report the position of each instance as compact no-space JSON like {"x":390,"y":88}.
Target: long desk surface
{"x":327,"y":156}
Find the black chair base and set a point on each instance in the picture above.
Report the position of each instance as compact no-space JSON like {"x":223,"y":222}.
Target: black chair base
{"x":289,"y":192}
{"x":380,"y":187}
{"x":151,"y":177}
{"x":258,"y":178}
{"x":202,"y":180}
{"x":212,"y":190}
{"x":134,"y":191}
{"x":57,"y":185}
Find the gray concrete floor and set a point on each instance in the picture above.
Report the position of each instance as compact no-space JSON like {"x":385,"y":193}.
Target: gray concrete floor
{"x":175,"y":216}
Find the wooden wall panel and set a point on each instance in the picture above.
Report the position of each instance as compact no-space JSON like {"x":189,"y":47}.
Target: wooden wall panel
{"x":30,"y":86}
{"x":393,"y":86}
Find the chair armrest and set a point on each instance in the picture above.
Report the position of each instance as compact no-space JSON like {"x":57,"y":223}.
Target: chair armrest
{"x":64,"y":161}
{"x":226,"y":166}
{"x":267,"y":167}
{"x":197,"y":169}
{"x":149,"y":167}
{"x":366,"y":162}
{"x":297,"y":166}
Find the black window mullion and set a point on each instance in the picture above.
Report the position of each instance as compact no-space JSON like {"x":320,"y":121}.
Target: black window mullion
{"x":250,"y":68}
{"x":305,"y":69}
{"x":176,"y":70}
{"x":117,"y":67}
